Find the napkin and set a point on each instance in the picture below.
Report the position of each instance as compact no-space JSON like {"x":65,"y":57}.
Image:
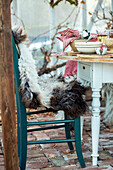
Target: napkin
{"x":67,"y":36}
{"x":94,"y":37}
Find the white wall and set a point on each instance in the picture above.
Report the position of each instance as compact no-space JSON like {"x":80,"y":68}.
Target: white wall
{"x":36,"y":14}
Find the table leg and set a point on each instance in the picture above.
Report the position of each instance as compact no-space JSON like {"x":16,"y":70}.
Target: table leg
{"x":95,"y":124}
{"x":82,"y":123}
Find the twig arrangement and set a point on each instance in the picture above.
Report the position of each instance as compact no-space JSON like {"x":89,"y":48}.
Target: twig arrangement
{"x":53,"y":68}
{"x":107,"y":16}
{"x":47,"y":57}
{"x":19,"y":19}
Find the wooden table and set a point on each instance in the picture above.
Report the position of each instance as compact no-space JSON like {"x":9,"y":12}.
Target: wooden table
{"x":96,"y":70}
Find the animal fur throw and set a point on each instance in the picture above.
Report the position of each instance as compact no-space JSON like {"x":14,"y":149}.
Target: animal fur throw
{"x":47,"y":92}
{"x":108,"y":91}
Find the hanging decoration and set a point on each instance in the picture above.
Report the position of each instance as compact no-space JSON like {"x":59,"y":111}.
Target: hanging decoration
{"x":55,"y":3}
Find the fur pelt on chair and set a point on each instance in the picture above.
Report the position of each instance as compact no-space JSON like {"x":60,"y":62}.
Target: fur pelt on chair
{"x":47,"y":92}
{"x":108,"y":91}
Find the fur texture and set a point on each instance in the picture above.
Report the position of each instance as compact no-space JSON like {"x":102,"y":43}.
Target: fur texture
{"x":108,"y":90}
{"x":50,"y":92}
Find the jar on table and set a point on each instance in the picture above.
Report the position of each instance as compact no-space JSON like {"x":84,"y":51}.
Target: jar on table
{"x":111,"y":33}
{"x":101,"y":37}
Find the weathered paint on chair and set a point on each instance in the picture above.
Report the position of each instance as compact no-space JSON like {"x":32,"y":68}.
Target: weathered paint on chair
{"x":78,"y":141}
{"x":68,"y":135}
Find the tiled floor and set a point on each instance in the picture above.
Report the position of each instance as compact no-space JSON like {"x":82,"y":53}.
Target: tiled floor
{"x":58,"y":157}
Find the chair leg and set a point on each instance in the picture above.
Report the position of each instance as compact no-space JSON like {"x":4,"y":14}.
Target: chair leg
{"x":18,"y":134}
{"x":23,"y":142}
{"x":68,"y":135}
{"x":78,"y":142}
{"x":18,"y":123}
{"x":23,"y":151}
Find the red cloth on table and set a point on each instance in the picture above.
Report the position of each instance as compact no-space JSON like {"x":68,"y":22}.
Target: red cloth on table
{"x":71,"y":68}
{"x":58,"y":54}
{"x":67,"y":36}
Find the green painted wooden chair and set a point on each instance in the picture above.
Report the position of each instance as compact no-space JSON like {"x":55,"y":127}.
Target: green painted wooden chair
{"x":22,"y":124}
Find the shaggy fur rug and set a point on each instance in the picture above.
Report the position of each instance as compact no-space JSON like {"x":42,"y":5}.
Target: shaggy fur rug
{"x":47,"y":92}
{"x":108,"y":93}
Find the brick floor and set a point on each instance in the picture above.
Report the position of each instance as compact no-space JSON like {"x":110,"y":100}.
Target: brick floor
{"x":58,"y":157}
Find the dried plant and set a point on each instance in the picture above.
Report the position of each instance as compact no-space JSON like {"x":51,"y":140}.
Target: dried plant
{"x":45,"y":69}
{"x":106,"y":15}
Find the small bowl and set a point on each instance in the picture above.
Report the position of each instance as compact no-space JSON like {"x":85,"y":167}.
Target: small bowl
{"x":87,"y":47}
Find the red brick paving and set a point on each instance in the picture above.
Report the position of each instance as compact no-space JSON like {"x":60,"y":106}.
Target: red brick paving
{"x":58,"y":157}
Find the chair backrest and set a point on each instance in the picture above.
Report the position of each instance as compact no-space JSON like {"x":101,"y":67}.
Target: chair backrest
{"x":20,"y":107}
